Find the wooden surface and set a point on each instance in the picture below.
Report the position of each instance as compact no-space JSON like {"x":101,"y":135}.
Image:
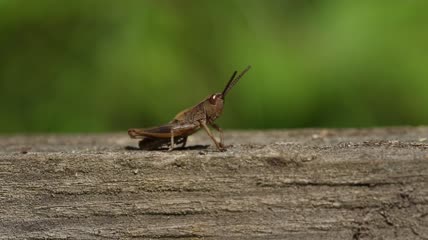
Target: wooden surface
{"x":298,"y":184}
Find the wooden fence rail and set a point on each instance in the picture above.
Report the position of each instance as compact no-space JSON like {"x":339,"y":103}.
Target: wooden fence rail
{"x":298,"y":184}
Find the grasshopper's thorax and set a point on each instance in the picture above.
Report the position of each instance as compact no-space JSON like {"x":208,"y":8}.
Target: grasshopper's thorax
{"x":208,"y":110}
{"x":213,"y":106}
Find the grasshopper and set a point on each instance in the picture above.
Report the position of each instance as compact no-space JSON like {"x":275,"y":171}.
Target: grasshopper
{"x":187,"y":122}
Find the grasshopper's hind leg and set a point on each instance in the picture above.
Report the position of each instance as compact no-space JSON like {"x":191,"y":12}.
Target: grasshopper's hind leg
{"x":182,"y":130}
{"x":172,"y":140}
{"x":184,"y":142}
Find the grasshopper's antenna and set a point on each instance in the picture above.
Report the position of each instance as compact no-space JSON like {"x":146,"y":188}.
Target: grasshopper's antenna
{"x":230,"y":81}
{"x":233,"y":81}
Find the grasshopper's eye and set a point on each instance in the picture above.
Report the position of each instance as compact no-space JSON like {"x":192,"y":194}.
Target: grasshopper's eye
{"x":213,"y":99}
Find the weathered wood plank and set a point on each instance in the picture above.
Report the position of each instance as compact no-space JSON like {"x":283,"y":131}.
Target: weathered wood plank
{"x":300,"y":184}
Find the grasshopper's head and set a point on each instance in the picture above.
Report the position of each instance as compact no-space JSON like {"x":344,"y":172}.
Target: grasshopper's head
{"x":214,"y":104}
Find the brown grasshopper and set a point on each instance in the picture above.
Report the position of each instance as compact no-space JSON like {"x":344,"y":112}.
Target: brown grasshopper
{"x":188,"y":122}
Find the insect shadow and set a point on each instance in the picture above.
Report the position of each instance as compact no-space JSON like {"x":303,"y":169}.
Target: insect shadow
{"x":193,"y":147}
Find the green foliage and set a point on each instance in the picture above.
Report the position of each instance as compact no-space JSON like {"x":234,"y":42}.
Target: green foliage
{"x":93,"y":66}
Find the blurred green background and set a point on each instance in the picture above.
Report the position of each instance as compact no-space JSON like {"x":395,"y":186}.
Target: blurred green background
{"x":95,"y":66}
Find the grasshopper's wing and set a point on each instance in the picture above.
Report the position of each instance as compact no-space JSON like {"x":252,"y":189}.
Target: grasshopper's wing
{"x":163,"y":131}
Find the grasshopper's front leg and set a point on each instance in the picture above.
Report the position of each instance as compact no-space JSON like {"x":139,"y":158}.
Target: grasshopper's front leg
{"x":219,"y":146}
{"x":216,"y":127}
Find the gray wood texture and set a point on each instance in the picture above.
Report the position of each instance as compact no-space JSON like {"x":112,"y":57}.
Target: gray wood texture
{"x":295,"y":184}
